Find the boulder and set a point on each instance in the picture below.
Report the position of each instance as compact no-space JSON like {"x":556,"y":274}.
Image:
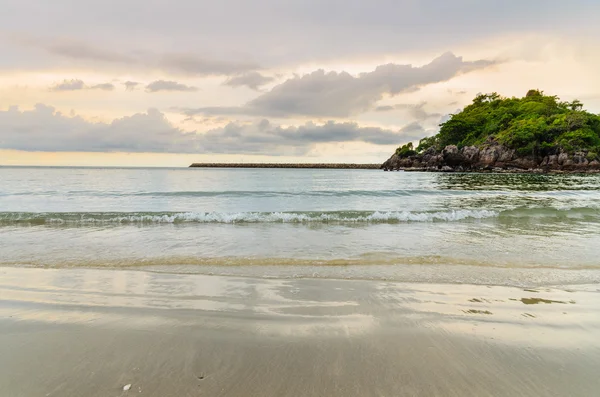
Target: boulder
{"x":488,"y":156}
{"x":452,"y":156}
{"x":562,"y":158}
{"x":492,"y":156}
{"x":470,"y":154}
{"x":505,"y":154}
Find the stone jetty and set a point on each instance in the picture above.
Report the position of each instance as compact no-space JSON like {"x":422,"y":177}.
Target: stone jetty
{"x":338,"y":166}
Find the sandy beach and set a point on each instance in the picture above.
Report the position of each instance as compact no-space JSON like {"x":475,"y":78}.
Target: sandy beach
{"x":85,"y":332}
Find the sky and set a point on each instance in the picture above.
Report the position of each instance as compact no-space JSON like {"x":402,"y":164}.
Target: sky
{"x":157,"y":83}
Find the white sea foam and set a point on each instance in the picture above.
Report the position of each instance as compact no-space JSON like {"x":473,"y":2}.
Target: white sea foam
{"x":248,"y":217}
{"x":83,"y":218}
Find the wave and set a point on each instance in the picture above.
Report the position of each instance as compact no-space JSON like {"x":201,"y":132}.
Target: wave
{"x":351,"y":217}
{"x":82,"y":218}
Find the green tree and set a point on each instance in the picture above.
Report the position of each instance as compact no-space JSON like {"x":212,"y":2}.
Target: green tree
{"x":406,"y":150}
{"x":534,"y":124}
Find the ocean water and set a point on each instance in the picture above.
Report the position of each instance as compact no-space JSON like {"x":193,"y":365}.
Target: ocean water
{"x":504,"y":229}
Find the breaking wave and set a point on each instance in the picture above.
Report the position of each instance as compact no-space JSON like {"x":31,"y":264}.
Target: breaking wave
{"x":341,"y":217}
{"x":8,"y":218}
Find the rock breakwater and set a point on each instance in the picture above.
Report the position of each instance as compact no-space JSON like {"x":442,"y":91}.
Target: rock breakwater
{"x":289,"y":165}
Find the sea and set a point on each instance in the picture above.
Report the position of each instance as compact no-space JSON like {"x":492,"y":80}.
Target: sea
{"x":471,"y":228}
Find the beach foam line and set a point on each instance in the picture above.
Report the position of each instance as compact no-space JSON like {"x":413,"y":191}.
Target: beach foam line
{"x":350,"y":217}
{"x":8,"y":218}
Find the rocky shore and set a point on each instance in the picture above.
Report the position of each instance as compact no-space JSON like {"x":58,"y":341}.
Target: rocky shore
{"x":289,"y":165}
{"x":492,"y":157}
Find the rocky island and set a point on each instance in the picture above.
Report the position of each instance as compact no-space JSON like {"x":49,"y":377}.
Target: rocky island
{"x":536,"y":133}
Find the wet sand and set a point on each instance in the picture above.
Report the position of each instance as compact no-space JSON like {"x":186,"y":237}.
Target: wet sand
{"x":83,"y":332}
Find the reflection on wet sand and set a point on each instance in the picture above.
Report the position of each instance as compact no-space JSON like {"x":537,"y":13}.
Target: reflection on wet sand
{"x":536,"y":301}
{"x":93,"y":331}
{"x":301,"y":307}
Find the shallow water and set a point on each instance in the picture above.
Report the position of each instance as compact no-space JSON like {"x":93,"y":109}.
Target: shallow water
{"x":508,"y":229}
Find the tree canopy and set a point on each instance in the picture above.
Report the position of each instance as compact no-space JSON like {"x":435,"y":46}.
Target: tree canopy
{"x":536,"y":124}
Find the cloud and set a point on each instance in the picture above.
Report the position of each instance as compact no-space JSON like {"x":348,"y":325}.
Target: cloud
{"x":45,"y":129}
{"x":165,"y":85}
{"x":384,"y":108}
{"x":416,"y":111}
{"x":333,"y":94}
{"x":131,"y":85}
{"x":103,"y":86}
{"x":276,"y":34}
{"x":68,"y":85}
{"x":265,"y":138}
{"x":195,"y":65}
{"x":454,"y":92}
{"x":414,"y":130}
{"x":252,"y":80}
{"x":78,"y":85}
{"x":77,"y":50}
{"x":187,"y":63}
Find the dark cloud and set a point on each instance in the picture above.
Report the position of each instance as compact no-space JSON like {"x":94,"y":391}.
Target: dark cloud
{"x":68,"y":85}
{"x":45,"y":129}
{"x":333,"y":94}
{"x":131,"y":85}
{"x":165,"y":85}
{"x":252,"y":80}
{"x":77,"y":85}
